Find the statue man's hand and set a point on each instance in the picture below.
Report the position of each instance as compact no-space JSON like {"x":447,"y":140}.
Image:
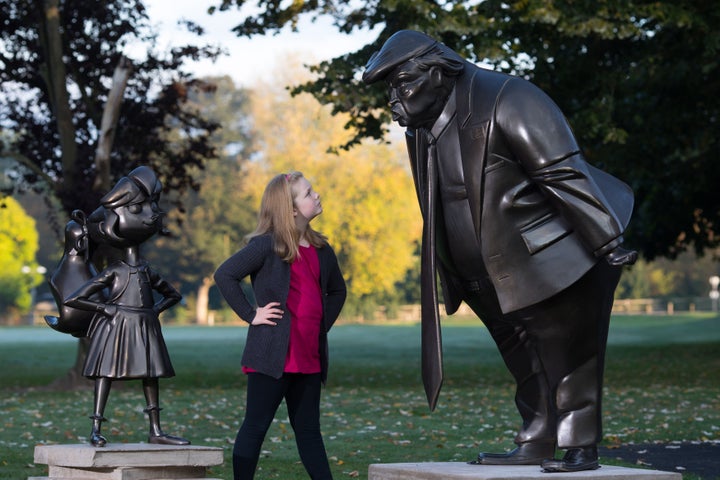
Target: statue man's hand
{"x":621,"y":256}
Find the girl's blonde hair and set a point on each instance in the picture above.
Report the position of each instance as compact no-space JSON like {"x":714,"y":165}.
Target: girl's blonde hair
{"x":276,"y":218}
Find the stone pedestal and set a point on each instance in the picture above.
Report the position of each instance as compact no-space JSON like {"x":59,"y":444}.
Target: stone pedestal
{"x":126,"y":461}
{"x":463,"y":471}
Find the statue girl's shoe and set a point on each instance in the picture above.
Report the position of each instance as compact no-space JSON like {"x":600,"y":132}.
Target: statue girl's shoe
{"x":96,"y":438}
{"x":165,"y":439}
{"x":157,"y":436}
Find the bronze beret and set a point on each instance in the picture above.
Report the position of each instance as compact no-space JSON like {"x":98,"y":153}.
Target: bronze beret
{"x":398,"y":49}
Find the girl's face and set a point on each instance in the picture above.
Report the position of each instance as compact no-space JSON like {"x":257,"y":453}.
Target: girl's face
{"x":139,"y":221}
{"x":306,"y":201}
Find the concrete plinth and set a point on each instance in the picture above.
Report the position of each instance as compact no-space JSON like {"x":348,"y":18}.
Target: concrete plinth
{"x":126,"y":461}
{"x":463,"y":471}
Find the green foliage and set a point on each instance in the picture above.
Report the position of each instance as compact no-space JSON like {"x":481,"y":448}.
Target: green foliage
{"x":18,"y":245}
{"x":686,"y":276}
{"x":639,"y":81}
{"x":660,"y":387}
{"x":219,"y":213}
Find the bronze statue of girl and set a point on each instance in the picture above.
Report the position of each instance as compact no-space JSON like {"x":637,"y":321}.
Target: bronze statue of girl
{"x":126,"y":340}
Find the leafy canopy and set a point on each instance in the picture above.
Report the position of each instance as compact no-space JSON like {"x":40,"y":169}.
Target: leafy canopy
{"x":57,"y":62}
{"x":639,"y":82}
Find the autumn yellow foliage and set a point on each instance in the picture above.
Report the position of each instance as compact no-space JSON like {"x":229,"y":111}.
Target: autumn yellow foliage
{"x":370,"y":206}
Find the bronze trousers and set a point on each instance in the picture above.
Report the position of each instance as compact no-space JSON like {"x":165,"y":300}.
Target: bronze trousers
{"x":555,"y":351}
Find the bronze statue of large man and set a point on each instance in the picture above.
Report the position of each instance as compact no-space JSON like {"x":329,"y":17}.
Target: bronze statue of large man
{"x":518,"y":226}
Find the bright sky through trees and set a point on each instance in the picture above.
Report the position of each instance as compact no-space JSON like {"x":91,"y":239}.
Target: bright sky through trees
{"x":249,"y":60}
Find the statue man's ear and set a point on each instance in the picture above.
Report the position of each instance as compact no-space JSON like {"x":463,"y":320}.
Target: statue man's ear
{"x":436,"y":76}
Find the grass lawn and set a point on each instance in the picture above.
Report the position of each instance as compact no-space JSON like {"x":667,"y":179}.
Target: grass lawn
{"x":662,"y":385}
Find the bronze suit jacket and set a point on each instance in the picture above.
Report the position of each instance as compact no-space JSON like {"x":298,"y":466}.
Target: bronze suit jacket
{"x":542,"y":215}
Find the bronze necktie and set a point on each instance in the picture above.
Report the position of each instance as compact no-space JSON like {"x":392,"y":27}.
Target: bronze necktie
{"x":431,"y":341}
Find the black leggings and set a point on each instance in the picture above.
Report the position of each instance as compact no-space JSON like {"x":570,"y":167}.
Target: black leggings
{"x":302,"y":397}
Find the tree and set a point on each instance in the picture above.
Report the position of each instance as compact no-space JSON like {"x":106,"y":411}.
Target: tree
{"x":220,"y":213}
{"x":639,"y":81}
{"x":18,"y":245}
{"x":61,"y":60}
{"x":370,"y":213}
{"x":686,"y":276}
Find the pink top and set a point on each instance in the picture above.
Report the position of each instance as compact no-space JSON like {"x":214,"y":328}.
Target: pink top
{"x":305,"y":305}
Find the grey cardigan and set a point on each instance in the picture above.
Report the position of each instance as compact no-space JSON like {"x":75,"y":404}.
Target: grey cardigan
{"x":266,"y":345}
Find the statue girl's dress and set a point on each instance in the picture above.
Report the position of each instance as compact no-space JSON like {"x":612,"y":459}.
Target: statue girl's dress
{"x":126,"y":340}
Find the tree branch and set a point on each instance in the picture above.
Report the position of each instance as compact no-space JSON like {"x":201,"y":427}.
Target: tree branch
{"x":56,"y":81}
{"x":108,"y":125}
{"x":33,"y":167}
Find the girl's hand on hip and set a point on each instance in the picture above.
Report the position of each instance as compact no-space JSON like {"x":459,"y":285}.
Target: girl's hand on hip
{"x":264,"y":315}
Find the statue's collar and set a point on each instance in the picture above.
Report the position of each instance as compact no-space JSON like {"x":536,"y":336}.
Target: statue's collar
{"x":445,"y":116}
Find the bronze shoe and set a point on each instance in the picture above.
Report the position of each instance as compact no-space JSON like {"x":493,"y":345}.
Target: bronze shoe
{"x":575,"y":460}
{"x":530,"y":453}
{"x":166,"y":439}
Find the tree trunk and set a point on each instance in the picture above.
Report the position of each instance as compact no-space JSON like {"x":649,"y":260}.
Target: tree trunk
{"x":203,"y":295}
{"x":108,"y":126}
{"x":74,"y":379}
{"x":56,"y":79}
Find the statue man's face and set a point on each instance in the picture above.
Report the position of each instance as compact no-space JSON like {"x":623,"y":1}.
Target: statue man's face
{"x":416,"y":96}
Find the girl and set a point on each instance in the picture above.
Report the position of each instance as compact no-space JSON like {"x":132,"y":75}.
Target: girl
{"x":300,"y":291}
